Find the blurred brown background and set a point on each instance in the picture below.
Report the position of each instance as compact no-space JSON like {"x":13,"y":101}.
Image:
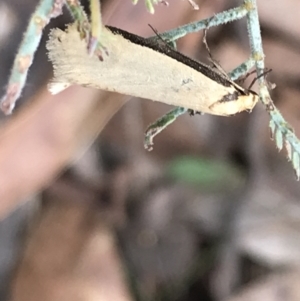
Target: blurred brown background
{"x":212,"y":213}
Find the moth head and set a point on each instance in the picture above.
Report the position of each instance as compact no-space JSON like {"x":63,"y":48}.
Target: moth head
{"x":232,"y":106}
{"x":248,"y":102}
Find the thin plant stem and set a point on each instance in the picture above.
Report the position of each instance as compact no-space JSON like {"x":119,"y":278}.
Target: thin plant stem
{"x":46,"y":10}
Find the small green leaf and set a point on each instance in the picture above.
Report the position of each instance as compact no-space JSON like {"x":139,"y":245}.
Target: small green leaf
{"x":279,"y":139}
{"x":288,"y":148}
{"x":296,"y":164}
{"x":149,"y":5}
{"x":272,"y":127}
{"x":205,"y":173}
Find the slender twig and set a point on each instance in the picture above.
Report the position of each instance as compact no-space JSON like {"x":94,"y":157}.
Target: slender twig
{"x":171,"y":36}
{"x":160,"y":124}
{"x":46,"y":10}
{"x":79,"y":16}
{"x":90,"y":31}
{"x":218,"y":19}
{"x":281,"y":131}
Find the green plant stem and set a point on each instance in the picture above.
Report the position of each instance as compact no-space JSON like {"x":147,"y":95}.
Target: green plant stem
{"x":46,"y":10}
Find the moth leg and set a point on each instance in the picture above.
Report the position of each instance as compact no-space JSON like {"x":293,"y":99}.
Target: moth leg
{"x":193,"y":112}
{"x":160,"y":124}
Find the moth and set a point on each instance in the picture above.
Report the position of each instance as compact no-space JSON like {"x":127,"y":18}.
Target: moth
{"x":143,"y":68}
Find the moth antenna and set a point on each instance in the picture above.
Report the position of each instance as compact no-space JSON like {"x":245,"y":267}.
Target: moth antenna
{"x":214,"y":62}
{"x":159,"y":36}
{"x":161,"y":39}
{"x":243,"y":78}
{"x":266,"y":71}
{"x":155,"y":31}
